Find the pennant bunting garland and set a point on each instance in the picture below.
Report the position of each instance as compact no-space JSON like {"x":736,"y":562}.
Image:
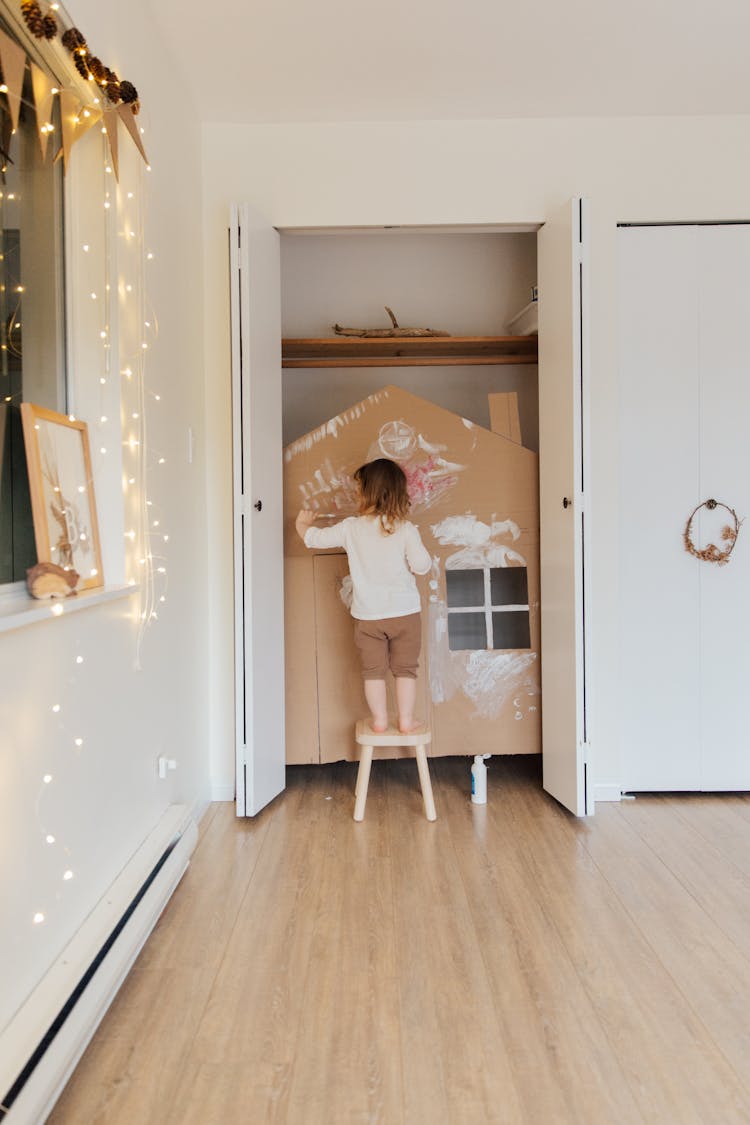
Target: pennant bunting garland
{"x":88,"y":116}
{"x":42,"y":87}
{"x":119,"y":97}
{"x":5,"y":135}
{"x":13,"y":62}
{"x":111,"y":118}
{"x":69,"y":107}
{"x":127,"y":117}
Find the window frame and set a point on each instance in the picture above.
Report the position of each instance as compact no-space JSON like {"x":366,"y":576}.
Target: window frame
{"x":487,"y":608}
{"x":82,"y":193}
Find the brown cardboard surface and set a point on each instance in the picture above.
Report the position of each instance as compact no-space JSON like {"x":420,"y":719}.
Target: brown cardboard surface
{"x":499,"y":721}
{"x":504,"y":417}
{"x":300,"y":661}
{"x":475,"y":501}
{"x":339,"y":682}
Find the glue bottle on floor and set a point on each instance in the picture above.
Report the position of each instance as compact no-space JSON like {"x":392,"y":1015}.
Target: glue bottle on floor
{"x":479,"y":780}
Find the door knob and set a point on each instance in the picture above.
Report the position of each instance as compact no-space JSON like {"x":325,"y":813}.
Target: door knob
{"x":566,"y":502}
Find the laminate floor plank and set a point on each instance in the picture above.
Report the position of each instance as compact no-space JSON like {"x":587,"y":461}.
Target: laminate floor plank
{"x":564,"y":1064}
{"x":720,"y":820}
{"x":504,"y":964}
{"x":133,"y":1064}
{"x":347,"y":1066}
{"x":716,"y":883}
{"x":641,"y":1010}
{"x":245,"y":1047}
{"x":456,"y":1067}
{"x":710,"y":971}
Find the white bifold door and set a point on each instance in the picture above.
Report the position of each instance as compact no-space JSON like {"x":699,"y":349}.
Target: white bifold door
{"x":685,"y":389}
{"x":255,"y":286}
{"x":564,"y":497}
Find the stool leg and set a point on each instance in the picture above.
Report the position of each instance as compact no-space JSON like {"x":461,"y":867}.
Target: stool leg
{"x":424,"y":781}
{"x":363,"y":780}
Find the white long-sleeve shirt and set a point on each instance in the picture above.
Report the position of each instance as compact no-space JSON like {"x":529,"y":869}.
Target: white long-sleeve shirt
{"x":382,"y":566}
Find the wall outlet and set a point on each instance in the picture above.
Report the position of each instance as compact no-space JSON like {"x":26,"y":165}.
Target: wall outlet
{"x":165,"y":764}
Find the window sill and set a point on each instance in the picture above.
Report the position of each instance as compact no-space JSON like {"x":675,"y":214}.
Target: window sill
{"x":17,"y":609}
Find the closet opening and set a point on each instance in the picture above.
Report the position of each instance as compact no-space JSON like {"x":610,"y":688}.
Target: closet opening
{"x":460,"y":413}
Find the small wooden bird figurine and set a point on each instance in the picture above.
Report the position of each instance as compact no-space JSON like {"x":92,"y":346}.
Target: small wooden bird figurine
{"x":47,"y":580}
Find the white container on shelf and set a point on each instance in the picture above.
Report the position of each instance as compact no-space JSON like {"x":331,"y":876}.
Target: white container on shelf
{"x":526,"y":323}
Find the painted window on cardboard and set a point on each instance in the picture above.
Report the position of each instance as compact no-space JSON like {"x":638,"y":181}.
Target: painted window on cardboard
{"x":488,"y":608}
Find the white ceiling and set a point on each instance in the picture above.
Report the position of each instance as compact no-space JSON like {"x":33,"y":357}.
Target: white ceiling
{"x":343,"y":60}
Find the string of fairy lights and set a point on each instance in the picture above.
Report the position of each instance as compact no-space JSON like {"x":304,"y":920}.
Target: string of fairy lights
{"x":111,"y":264}
{"x":116,"y":282}
{"x":146,"y":534}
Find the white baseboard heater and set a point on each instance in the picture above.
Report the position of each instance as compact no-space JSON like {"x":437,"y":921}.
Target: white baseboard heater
{"x":42,"y":1044}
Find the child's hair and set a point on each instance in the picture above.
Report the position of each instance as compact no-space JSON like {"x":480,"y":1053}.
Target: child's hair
{"x":384,"y":493}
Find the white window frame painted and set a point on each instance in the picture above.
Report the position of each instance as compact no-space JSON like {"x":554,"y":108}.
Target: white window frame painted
{"x":486,"y":607}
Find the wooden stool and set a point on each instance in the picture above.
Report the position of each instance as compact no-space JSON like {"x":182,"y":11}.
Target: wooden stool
{"x":368,"y":740}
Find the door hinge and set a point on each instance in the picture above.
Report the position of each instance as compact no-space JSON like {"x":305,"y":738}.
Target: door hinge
{"x":586,"y":748}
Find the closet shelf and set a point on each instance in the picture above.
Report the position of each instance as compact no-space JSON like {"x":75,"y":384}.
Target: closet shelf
{"x":408,"y":351}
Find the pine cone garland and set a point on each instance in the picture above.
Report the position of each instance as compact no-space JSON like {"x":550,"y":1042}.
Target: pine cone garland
{"x":81,"y":64}
{"x":96,"y":66}
{"x":50,"y":26}
{"x":112,"y":86}
{"x":73,"y":39}
{"x":32,"y":14}
{"x":128,"y":92}
{"x":88,"y":65}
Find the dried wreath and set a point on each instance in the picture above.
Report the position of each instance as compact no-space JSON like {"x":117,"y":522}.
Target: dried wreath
{"x":729,"y":533}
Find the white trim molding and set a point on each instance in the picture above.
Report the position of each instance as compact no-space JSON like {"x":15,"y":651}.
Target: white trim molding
{"x":42,"y":1044}
{"x":222,"y":792}
{"x":607,"y":791}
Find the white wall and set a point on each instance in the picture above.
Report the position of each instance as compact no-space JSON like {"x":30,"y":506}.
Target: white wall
{"x":465,"y":284}
{"x":465,"y":173}
{"x":104,"y":796}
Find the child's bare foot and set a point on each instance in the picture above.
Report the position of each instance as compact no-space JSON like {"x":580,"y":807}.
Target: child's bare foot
{"x":408,"y":726}
{"x":377,"y":727}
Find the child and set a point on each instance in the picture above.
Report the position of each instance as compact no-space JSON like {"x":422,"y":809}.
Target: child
{"x":385,"y":552}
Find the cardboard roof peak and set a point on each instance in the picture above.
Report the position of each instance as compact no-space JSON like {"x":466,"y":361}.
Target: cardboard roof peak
{"x":411,"y":404}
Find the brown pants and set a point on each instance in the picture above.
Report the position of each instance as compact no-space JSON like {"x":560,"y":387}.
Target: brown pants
{"x":391,"y":642}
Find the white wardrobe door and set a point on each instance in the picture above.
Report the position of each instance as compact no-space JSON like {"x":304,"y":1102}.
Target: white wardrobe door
{"x":724,"y":347}
{"x":659,"y":581}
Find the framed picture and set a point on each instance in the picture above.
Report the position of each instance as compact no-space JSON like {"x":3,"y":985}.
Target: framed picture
{"x":62,"y":493}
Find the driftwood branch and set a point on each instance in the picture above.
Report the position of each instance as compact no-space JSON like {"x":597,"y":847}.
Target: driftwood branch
{"x":387,"y":333}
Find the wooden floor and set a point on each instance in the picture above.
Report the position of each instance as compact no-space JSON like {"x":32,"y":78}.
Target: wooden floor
{"x":507,"y":963}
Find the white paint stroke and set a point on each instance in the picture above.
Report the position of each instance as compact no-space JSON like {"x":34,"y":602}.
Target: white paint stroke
{"x":428,"y":446}
{"x":332,"y":426}
{"x":493,"y":678}
{"x":442,"y":673}
{"x":496,"y":555}
{"x":480,"y":542}
{"x":330,"y":490}
{"x":346,"y":591}
{"x":468,"y":531}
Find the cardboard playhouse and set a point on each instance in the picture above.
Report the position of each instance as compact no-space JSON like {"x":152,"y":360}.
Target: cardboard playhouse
{"x":475,"y":500}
